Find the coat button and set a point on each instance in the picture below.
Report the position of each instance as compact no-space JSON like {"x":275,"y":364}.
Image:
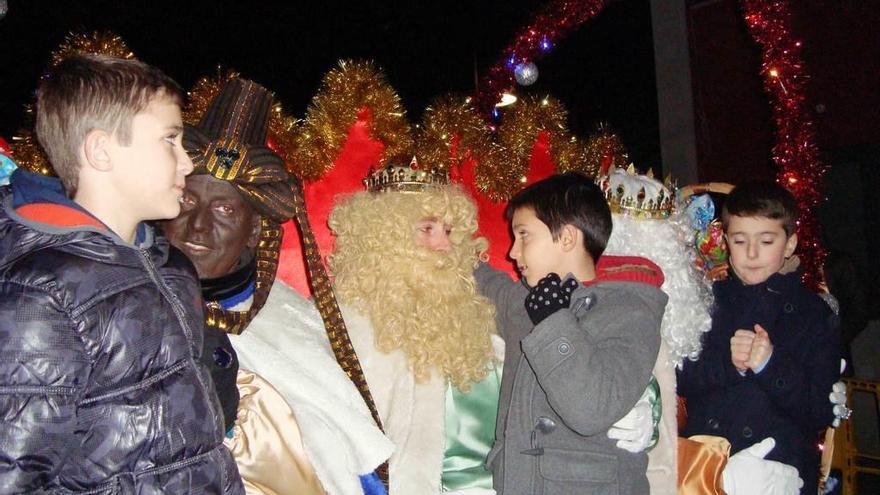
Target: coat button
{"x":564,"y":348}
{"x":713,"y":423}
{"x":780,"y":382}
{"x":788,"y":308}
{"x":747,"y":432}
{"x":545,"y":425}
{"x":222,"y":358}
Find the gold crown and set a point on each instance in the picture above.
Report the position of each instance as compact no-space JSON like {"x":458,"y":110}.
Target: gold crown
{"x":640,"y":196}
{"x":405,"y":178}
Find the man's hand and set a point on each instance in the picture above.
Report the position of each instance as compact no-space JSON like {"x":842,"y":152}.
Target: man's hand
{"x":741,"y":349}
{"x":747,"y":473}
{"x":549,"y":296}
{"x":761,"y":350}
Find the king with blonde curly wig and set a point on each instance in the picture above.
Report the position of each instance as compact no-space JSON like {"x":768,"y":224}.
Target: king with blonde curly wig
{"x":418,"y":300}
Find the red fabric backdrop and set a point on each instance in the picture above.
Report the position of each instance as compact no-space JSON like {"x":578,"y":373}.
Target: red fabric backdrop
{"x":357,"y":158}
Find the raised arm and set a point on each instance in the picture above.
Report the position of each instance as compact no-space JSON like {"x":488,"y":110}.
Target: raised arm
{"x":594,"y":367}
{"x":712,"y":371}
{"x":505,"y":293}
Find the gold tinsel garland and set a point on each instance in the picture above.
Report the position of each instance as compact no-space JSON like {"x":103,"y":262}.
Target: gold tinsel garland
{"x":96,"y":42}
{"x":311,"y":146}
{"x":344,"y":92}
{"x":28,"y":153}
{"x":517,"y":134}
{"x":601,"y":145}
{"x":502,"y":165}
{"x":447,"y":119}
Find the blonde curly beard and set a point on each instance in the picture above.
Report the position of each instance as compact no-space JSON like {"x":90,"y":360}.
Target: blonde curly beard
{"x":420,"y":301}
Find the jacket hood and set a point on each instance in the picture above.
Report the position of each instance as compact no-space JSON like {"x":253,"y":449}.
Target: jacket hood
{"x":35,"y":213}
{"x":639,"y":277}
{"x":628,"y":269}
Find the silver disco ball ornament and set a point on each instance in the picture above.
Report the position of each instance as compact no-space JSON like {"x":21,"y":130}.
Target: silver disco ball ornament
{"x":526,"y":73}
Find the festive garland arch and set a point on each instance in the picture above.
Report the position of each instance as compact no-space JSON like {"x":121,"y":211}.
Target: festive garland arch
{"x":319,"y":140}
{"x":769,"y":23}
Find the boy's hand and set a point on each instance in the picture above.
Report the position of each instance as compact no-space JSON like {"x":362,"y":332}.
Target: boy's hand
{"x":549,"y":296}
{"x":741,"y":349}
{"x":762,"y":348}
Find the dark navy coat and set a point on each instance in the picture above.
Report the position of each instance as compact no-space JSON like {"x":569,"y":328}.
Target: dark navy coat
{"x":788,"y":399}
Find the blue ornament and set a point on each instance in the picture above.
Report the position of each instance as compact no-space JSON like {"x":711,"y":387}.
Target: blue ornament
{"x":7,"y":166}
{"x":526,"y":73}
{"x":700,"y":212}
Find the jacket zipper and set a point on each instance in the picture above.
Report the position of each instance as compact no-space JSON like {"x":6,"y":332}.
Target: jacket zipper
{"x":187,"y":331}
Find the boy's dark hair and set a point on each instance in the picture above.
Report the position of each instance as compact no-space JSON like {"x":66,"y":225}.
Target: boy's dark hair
{"x":571,"y":198}
{"x":762,"y":199}
{"x":87,"y":92}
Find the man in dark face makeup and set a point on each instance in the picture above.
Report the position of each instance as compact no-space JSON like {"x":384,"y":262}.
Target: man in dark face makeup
{"x":229,"y":226}
{"x":218,"y":230}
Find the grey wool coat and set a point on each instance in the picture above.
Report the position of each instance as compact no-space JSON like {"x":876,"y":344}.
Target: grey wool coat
{"x":566,"y":381}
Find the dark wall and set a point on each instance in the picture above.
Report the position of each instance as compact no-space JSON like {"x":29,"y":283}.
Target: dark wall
{"x":732,"y":117}
{"x":734,"y":130}
{"x":733,"y":120}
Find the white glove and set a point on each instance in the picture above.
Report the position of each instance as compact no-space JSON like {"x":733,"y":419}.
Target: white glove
{"x":634,"y":431}
{"x":748,"y":473}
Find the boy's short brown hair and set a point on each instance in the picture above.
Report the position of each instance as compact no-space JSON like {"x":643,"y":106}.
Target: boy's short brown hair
{"x":88,"y":92}
{"x":764,"y":199}
{"x":571,"y":198}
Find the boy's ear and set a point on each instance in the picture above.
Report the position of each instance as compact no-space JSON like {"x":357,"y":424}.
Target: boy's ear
{"x":95,"y":149}
{"x":790,"y":245}
{"x":569,"y":237}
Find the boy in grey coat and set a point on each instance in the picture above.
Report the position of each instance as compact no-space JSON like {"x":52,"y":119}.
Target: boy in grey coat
{"x":580,"y":349}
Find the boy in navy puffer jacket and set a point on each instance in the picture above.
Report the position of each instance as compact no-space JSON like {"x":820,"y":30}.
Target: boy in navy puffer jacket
{"x":100,"y":320}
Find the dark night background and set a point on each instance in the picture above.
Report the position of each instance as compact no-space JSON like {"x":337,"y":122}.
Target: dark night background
{"x":602,"y":72}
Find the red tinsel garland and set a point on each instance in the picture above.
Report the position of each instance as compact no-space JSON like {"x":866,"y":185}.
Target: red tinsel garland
{"x":553,"y":22}
{"x":795,"y":152}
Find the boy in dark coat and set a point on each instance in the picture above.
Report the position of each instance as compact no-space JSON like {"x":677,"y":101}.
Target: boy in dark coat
{"x":101,"y":389}
{"x":581,"y":341}
{"x":772,"y":355}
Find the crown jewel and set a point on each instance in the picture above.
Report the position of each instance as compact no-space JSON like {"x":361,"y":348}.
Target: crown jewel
{"x":641,"y":196}
{"x":405,"y":178}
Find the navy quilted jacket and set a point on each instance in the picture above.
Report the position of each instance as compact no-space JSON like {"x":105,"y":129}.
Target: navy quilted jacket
{"x":100,"y":390}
